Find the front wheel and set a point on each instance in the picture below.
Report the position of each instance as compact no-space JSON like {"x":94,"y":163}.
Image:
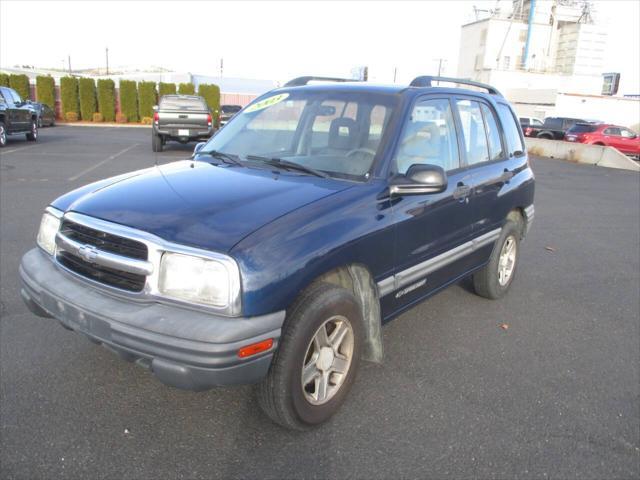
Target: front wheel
{"x":32,"y":136}
{"x":495,"y":278}
{"x":317,"y":359}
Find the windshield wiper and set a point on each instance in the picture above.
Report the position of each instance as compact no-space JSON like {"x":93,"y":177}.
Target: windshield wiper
{"x":225,"y":157}
{"x":287,"y":164}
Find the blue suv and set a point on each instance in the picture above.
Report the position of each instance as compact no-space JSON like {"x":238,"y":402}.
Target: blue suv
{"x":277,"y":252}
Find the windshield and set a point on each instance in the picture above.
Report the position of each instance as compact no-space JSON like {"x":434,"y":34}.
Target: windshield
{"x":337,"y":133}
{"x":177,"y":103}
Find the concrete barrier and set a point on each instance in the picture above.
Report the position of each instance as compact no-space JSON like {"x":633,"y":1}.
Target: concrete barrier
{"x":581,"y":153}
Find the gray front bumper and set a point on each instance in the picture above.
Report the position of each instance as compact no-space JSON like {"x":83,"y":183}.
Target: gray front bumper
{"x":184,"y":348}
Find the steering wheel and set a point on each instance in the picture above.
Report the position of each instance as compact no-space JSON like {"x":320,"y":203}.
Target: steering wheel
{"x":363,"y":150}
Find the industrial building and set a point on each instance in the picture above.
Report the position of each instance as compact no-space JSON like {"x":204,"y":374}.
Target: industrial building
{"x":547,"y":57}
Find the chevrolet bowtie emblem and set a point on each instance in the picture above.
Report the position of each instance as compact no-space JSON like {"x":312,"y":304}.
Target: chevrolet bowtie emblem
{"x":88,"y":253}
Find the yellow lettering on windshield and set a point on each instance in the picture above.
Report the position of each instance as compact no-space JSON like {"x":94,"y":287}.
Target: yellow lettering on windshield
{"x":266,"y":103}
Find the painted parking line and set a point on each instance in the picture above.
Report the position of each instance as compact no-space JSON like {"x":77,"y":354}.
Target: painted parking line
{"x":3,"y":152}
{"x":99,"y":164}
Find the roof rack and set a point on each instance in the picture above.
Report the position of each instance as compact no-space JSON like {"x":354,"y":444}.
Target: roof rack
{"x":297,"y":82}
{"x":425,"y":81}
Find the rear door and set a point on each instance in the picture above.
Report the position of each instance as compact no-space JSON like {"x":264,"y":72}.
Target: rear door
{"x":429,"y":227}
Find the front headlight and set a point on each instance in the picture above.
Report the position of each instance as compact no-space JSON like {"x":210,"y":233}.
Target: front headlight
{"x":49,"y":226}
{"x":197,"y":279}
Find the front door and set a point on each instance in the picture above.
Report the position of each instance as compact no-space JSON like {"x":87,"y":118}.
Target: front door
{"x":429,"y":227}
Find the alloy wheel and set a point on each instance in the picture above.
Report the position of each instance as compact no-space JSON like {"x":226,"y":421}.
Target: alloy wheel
{"x":327,"y":360}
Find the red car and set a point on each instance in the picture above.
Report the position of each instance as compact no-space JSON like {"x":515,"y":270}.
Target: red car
{"x":615,"y":136}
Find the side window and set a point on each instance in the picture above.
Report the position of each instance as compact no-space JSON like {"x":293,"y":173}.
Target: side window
{"x":493,"y":133}
{"x":16,"y":97}
{"x":475,"y":138}
{"x":612,"y":131}
{"x":429,"y":137}
{"x":626,"y":133}
{"x":553,"y":123}
{"x":515,"y":143}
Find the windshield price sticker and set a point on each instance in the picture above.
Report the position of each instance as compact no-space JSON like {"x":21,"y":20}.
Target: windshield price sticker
{"x":266,"y":103}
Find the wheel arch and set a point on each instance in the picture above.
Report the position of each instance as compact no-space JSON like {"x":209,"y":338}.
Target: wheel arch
{"x":519,"y":216}
{"x":357,"y":279}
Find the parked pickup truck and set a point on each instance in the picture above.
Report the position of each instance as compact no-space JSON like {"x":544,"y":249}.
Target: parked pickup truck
{"x":277,"y":252}
{"x":16,"y":116}
{"x":182,"y":118}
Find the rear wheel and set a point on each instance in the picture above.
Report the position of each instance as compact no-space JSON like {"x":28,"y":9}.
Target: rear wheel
{"x":495,"y":278}
{"x":3,"y":135}
{"x":156,"y":142}
{"x":317,"y":359}
{"x":32,"y":136}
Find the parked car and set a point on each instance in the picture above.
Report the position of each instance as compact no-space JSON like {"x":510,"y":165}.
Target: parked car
{"x":46,"y":115}
{"x":16,"y":116}
{"x":275,"y":255}
{"x":182,"y":118}
{"x":530,"y":125}
{"x":226,"y":112}
{"x":554,"y":128}
{"x":621,"y":138}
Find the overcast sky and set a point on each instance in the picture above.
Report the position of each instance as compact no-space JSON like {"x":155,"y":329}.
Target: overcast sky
{"x":271,"y":40}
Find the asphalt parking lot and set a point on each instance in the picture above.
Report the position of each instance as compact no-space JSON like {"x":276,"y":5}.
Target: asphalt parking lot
{"x":555,"y":395}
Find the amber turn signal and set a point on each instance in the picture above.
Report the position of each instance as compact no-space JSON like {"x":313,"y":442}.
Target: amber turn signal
{"x":255,"y":348}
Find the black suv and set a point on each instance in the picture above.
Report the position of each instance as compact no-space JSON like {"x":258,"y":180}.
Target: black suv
{"x":16,"y":116}
{"x":554,"y":128}
{"x":277,"y":252}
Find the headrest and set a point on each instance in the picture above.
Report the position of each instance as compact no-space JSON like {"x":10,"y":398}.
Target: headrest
{"x":343,"y":133}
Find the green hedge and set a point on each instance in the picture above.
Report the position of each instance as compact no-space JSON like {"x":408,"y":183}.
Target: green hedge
{"x":147,"y":98}
{"x":4,"y":80}
{"x":211,"y":94}
{"x":166,"y":89}
{"x":69,"y":95}
{"x":186,"y":89}
{"x":20,"y":83}
{"x":129,"y":100}
{"x":107,"y":99}
{"x":46,"y":90}
{"x":87,"y":90}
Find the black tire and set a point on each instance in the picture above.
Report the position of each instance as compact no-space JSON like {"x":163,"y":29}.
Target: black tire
{"x":32,"y":136}
{"x":39,"y":122}
{"x":156,"y":142}
{"x":280,"y":394}
{"x":486,"y":280}
{"x":3,"y":135}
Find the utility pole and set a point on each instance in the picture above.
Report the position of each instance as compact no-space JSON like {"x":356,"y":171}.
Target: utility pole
{"x":441,"y":62}
{"x":69,"y":60}
{"x":107,"y":53}
{"x":395,"y":72}
{"x":221,"y":66}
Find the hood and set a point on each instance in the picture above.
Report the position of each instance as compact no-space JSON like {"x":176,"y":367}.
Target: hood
{"x":199,"y":204}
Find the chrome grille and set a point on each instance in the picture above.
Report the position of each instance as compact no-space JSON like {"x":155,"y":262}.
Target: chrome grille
{"x":103,"y":240}
{"x":103,"y":257}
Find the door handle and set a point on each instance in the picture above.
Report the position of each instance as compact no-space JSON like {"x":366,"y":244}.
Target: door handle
{"x":462,"y":191}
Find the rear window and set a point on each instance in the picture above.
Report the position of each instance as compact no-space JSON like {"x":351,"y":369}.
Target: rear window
{"x":511,"y":130}
{"x":176,"y":103}
{"x":230,"y":108}
{"x":582,"y":128}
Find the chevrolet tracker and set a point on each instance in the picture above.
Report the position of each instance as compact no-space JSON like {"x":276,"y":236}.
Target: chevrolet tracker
{"x":276,"y":253}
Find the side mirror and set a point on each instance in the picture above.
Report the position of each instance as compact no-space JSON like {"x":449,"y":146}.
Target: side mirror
{"x":419,"y":180}
{"x":198,"y":147}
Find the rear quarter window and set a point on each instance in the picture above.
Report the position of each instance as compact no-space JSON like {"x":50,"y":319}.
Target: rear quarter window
{"x":515,"y":143}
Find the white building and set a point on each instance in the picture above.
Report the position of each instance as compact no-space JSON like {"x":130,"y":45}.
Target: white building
{"x":533,"y":57}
